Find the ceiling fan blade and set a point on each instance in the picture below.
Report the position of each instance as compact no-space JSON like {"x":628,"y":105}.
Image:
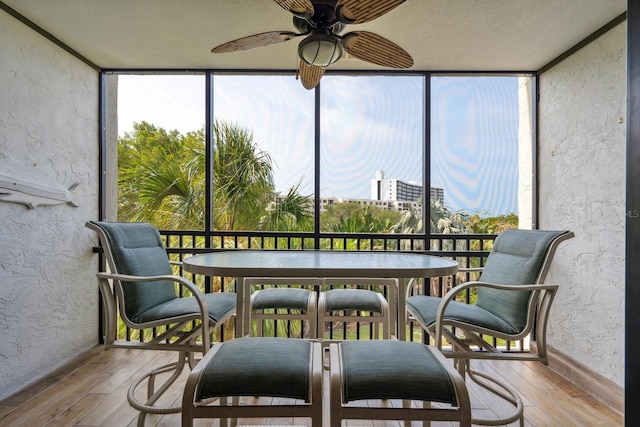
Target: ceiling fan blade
{"x":301,"y":8}
{"x":376,"y":49}
{"x":254,"y":41}
{"x":361,"y":11}
{"x":310,"y":75}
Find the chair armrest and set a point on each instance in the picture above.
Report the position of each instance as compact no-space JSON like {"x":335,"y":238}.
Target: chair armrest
{"x":195,"y":291}
{"x":505,"y":287}
{"x":178,"y":279}
{"x":450,"y":296}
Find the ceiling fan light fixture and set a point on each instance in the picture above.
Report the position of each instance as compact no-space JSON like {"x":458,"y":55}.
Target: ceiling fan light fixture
{"x":320,"y":50}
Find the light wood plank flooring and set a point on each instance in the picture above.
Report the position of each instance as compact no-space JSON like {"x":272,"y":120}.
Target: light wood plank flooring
{"x":92,"y":391}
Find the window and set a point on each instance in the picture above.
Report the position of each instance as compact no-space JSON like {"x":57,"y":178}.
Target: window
{"x":371,"y":149}
{"x":276,"y":113}
{"x":479,"y":127}
{"x":375,"y":143}
{"x":160,"y":122}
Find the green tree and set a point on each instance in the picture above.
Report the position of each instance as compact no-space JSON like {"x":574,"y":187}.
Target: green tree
{"x":161,"y":179}
{"x":493,"y":224}
{"x":355,"y":218}
{"x":294,"y":212}
{"x":242,"y":179}
{"x":441,"y":220}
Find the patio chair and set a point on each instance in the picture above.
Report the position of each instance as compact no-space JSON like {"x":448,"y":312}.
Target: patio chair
{"x":345,"y":305}
{"x":512,"y":303}
{"x":141,"y":288}
{"x":278,"y":300}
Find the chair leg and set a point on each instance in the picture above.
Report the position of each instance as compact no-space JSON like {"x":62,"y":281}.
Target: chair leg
{"x":152,"y":394}
{"x":426,"y":405}
{"x":259,"y":330}
{"x":376,"y":330}
{"x":191,"y":358}
{"x":406,"y":404}
{"x":501,"y":389}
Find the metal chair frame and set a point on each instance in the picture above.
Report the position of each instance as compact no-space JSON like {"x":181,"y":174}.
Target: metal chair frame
{"x":186,"y":334}
{"x":309,"y":315}
{"x":469,"y":342}
{"x":383,"y":319}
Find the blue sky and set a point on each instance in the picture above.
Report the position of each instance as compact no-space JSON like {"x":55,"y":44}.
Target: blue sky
{"x":367,"y":124}
{"x":475,"y":142}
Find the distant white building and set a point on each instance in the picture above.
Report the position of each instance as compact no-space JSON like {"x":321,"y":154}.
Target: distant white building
{"x":391,"y":205}
{"x":396,"y":190}
{"x":389,"y":194}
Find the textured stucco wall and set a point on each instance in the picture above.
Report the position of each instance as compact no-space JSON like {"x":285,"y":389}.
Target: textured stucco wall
{"x":582,"y":188}
{"x":48,"y":290}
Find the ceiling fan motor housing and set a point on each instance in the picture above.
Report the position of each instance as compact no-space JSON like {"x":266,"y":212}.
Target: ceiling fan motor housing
{"x":323,"y":47}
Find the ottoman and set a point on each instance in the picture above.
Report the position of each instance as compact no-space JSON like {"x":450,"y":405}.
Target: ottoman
{"x":390,"y":369}
{"x":256,"y":366}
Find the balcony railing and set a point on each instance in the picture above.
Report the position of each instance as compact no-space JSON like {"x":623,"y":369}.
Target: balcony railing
{"x":469,"y":250}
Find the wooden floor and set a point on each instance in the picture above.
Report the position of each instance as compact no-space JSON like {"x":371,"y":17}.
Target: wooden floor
{"x":93,"y":392}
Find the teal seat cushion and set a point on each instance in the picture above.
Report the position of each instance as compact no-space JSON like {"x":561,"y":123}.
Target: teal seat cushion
{"x":137,"y":250}
{"x":389,"y":369}
{"x":291,"y":298}
{"x":517,"y":258}
{"x":260,"y":366}
{"x":218,"y":304}
{"x":352,"y":299}
{"x":424,"y":308}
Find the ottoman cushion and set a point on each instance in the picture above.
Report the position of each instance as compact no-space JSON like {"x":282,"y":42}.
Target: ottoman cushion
{"x":389,"y":369}
{"x":277,"y":367}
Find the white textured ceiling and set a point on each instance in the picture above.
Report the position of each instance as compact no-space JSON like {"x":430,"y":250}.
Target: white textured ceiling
{"x":477,"y":35}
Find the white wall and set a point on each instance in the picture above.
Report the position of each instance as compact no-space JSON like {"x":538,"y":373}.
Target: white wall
{"x":582,"y":188}
{"x":48,"y":291}
{"x":525,"y":153}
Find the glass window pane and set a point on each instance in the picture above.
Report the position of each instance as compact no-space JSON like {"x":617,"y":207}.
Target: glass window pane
{"x":272,"y":120}
{"x":371,"y":156}
{"x":161,"y":150}
{"x":371,"y":152}
{"x":477,"y":130}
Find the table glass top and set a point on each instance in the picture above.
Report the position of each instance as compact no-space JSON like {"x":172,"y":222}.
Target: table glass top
{"x":319,"y":263}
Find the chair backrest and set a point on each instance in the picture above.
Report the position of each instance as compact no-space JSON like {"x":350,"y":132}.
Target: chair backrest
{"x":136,"y":249}
{"x":518,"y":257}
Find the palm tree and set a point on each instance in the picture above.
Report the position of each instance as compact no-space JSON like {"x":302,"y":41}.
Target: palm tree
{"x":161,"y":179}
{"x":293,"y":212}
{"x":444,"y":220}
{"x":242,"y":179}
{"x":441,"y":220}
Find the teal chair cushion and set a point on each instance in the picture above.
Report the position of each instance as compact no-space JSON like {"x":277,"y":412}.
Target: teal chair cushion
{"x":352,"y":299}
{"x":388,"y":369}
{"x":137,"y":250}
{"x":424,"y":308}
{"x":291,"y":298}
{"x":218,"y":305}
{"x":516,"y":258}
{"x":275,"y":367}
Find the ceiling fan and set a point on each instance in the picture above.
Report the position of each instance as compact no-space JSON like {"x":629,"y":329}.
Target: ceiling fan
{"x":320,"y":22}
